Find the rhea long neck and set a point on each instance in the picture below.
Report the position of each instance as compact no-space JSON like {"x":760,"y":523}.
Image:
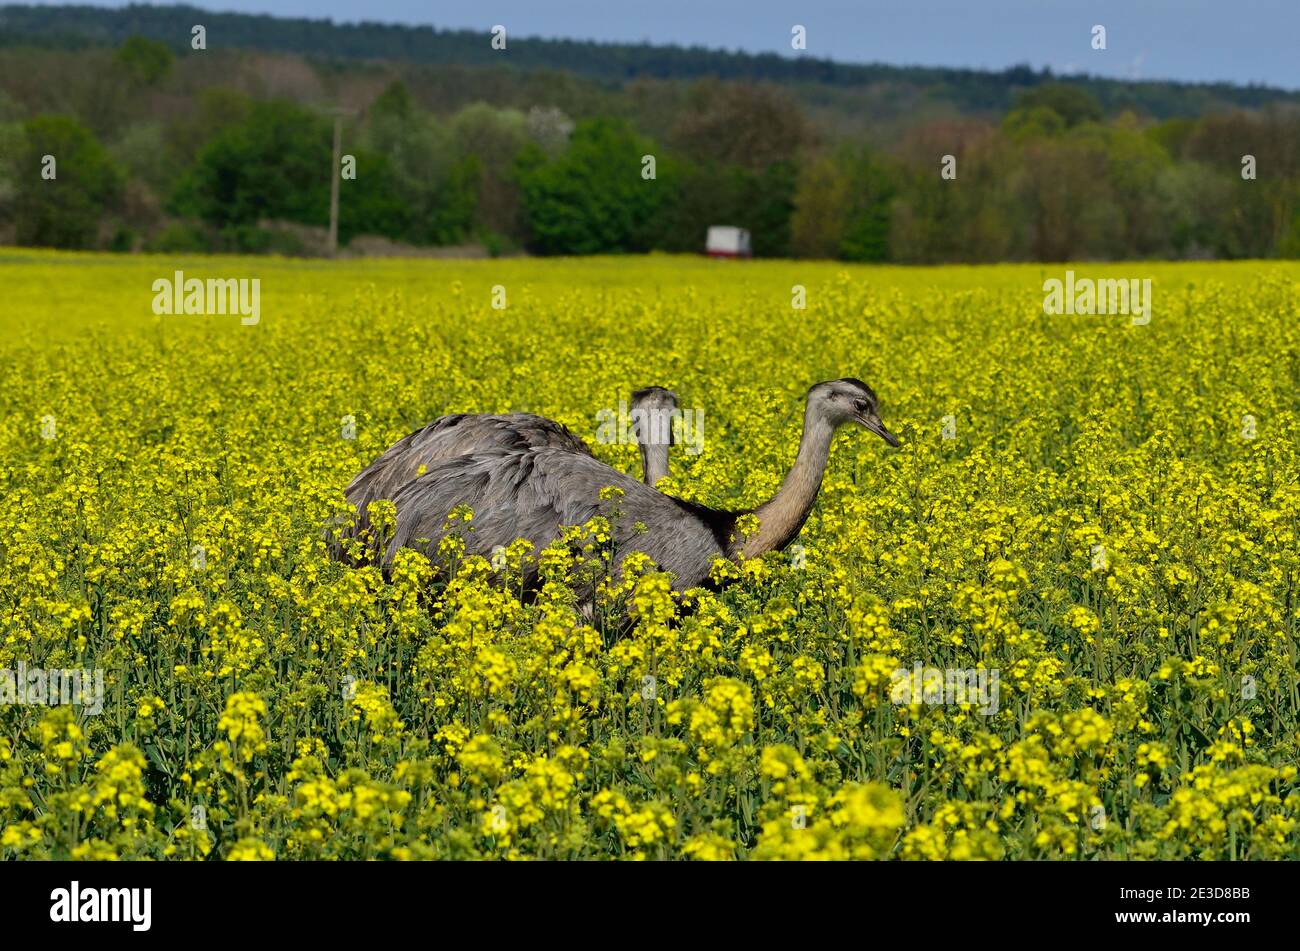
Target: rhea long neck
{"x":654,"y":461}
{"x":780,"y":519}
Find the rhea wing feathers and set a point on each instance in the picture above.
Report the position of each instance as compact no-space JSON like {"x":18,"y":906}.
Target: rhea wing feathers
{"x":533,"y":493}
{"x":456,"y":435}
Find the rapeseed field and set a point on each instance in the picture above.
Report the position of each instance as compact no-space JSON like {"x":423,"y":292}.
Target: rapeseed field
{"x":1093,"y":520}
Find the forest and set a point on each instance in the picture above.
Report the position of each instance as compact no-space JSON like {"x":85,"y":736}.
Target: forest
{"x":116,"y":133}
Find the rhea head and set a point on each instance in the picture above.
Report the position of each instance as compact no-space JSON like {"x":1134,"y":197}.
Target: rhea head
{"x":651,"y":411}
{"x":849,"y":401}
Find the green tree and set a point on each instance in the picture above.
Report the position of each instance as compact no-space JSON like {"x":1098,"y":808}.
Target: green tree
{"x":867,"y":215}
{"x":276,"y":165}
{"x":592,"y":198}
{"x":395,"y":101}
{"x":1135,"y":164}
{"x":213,"y":111}
{"x":1032,"y":123}
{"x":1194,"y":197}
{"x":821,"y":198}
{"x":703,"y":194}
{"x":63,"y":211}
{"x":1289,"y":246}
{"x":144,"y":62}
{"x":766,"y":204}
{"x":438,"y":182}
{"x":494,"y":137}
{"x":1073,"y":104}
{"x":12,"y":142}
{"x":1065,"y":199}
{"x":752,"y":126}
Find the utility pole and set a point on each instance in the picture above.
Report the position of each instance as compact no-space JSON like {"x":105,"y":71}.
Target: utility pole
{"x":335,"y":173}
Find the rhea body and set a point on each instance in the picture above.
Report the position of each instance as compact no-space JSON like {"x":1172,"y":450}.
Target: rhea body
{"x":532,"y":493}
{"x":461,"y":434}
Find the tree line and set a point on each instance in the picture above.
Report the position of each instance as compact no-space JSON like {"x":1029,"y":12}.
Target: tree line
{"x":158,"y":153}
{"x":963,"y":90}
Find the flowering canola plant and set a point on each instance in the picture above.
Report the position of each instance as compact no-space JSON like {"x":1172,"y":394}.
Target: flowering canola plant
{"x":1103,"y":513}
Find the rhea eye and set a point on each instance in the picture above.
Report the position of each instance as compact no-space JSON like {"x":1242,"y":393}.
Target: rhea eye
{"x":861,"y":405}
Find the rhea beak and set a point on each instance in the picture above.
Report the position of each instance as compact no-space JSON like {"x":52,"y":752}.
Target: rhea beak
{"x":873,"y":423}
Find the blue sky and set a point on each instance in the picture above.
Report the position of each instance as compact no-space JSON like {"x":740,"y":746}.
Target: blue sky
{"x":1198,"y":40}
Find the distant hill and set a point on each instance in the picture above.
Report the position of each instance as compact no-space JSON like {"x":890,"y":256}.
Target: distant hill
{"x":963,"y":91}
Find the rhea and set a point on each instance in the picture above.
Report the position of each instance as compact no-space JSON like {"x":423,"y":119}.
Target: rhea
{"x":652,"y":411}
{"x":462,"y":434}
{"x":531,"y":493}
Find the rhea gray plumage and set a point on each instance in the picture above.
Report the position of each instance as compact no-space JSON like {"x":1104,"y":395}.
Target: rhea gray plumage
{"x":456,"y":435}
{"x":460,"y":434}
{"x":532,"y":493}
